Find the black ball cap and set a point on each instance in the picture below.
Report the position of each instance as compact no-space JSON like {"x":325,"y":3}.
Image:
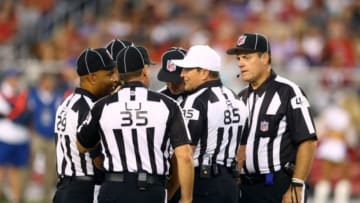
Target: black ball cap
{"x":251,"y":42}
{"x":116,"y":45}
{"x":169,"y":72}
{"x":130,"y":59}
{"x":93,"y":60}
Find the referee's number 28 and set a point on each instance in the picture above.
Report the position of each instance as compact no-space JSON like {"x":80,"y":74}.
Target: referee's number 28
{"x":231,"y":116}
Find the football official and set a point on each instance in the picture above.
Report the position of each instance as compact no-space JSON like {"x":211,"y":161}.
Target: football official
{"x":280,"y":139}
{"x":135,"y":128}
{"x":98,"y":78}
{"x":171,"y":74}
{"x":175,"y":88}
{"x":216,"y":118}
{"x":114,"y":47}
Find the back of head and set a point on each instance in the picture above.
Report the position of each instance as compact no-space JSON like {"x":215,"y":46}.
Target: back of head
{"x":132,"y":65}
{"x":93,"y":60}
{"x":130,"y":59}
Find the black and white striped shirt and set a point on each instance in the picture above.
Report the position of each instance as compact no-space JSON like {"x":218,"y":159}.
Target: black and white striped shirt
{"x":135,"y":127}
{"x":216,"y":118}
{"x":279,"y":119}
{"x":71,"y":113}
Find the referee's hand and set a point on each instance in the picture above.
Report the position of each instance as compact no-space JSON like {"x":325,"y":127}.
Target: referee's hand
{"x":293,"y":195}
{"x":98,"y":162}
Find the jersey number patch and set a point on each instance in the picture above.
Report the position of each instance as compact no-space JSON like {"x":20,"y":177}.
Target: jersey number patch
{"x":232,"y":116}
{"x":139,"y":118}
{"x":61,"y":123}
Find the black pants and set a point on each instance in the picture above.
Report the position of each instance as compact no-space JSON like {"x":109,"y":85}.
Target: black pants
{"x":257,"y":191}
{"x":221,"y":188}
{"x":128,"y":191}
{"x":176,"y":197}
{"x":71,"y":190}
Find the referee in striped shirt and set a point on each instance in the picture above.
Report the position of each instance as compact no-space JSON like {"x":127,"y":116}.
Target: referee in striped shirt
{"x":75,"y":170}
{"x":216,"y":118}
{"x":280,"y":139}
{"x":136,"y":128}
{"x":175,"y":88}
{"x":171,"y":74}
{"x":114,"y":47}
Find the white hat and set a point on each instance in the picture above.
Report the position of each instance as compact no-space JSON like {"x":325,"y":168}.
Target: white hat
{"x":201,"y":56}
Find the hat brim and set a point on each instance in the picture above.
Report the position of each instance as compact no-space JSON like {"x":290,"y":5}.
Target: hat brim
{"x":168,"y":77}
{"x":236,"y":50}
{"x":183,"y":63}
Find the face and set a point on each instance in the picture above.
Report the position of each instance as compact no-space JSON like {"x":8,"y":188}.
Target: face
{"x":176,"y":88}
{"x":254,"y":67}
{"x":193,"y":77}
{"x":106,"y":81}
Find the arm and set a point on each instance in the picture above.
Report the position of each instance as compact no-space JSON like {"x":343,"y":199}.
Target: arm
{"x":81,"y":148}
{"x":87,"y":136}
{"x":241,"y":152}
{"x":240,"y":156}
{"x":185,"y":170}
{"x":304,"y":158}
{"x":173,"y":183}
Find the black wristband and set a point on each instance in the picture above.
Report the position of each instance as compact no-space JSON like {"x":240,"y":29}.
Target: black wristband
{"x":296,"y":184}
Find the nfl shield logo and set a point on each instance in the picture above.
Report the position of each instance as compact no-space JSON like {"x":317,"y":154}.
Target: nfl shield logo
{"x":241,"y":40}
{"x":170,"y":66}
{"x":264,"y":126}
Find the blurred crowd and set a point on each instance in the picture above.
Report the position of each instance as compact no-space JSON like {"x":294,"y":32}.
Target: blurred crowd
{"x":315,"y":42}
{"x":304,"y":33}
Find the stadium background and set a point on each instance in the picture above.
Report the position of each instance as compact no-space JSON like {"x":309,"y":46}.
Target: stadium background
{"x":316,"y":43}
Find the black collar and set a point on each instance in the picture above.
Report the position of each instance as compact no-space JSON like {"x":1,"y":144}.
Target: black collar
{"x":264,"y":86}
{"x":85,"y":92}
{"x":211,"y":83}
{"x":133,"y":84}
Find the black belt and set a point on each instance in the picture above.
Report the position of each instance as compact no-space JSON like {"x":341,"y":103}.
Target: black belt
{"x":214,"y":170}
{"x":77,"y":178}
{"x":124,"y":177}
{"x":252,"y":179}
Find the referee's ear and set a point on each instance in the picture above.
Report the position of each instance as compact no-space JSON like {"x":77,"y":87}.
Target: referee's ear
{"x":145,"y":73}
{"x":92,"y":78}
{"x":205,"y":74}
{"x":265,"y":58}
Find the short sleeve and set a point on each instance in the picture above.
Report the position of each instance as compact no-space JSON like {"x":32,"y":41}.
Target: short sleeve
{"x":301,"y":124}
{"x":88,"y":131}
{"x":178,"y":132}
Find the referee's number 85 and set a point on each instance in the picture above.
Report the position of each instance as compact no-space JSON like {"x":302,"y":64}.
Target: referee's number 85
{"x":231,"y":116}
